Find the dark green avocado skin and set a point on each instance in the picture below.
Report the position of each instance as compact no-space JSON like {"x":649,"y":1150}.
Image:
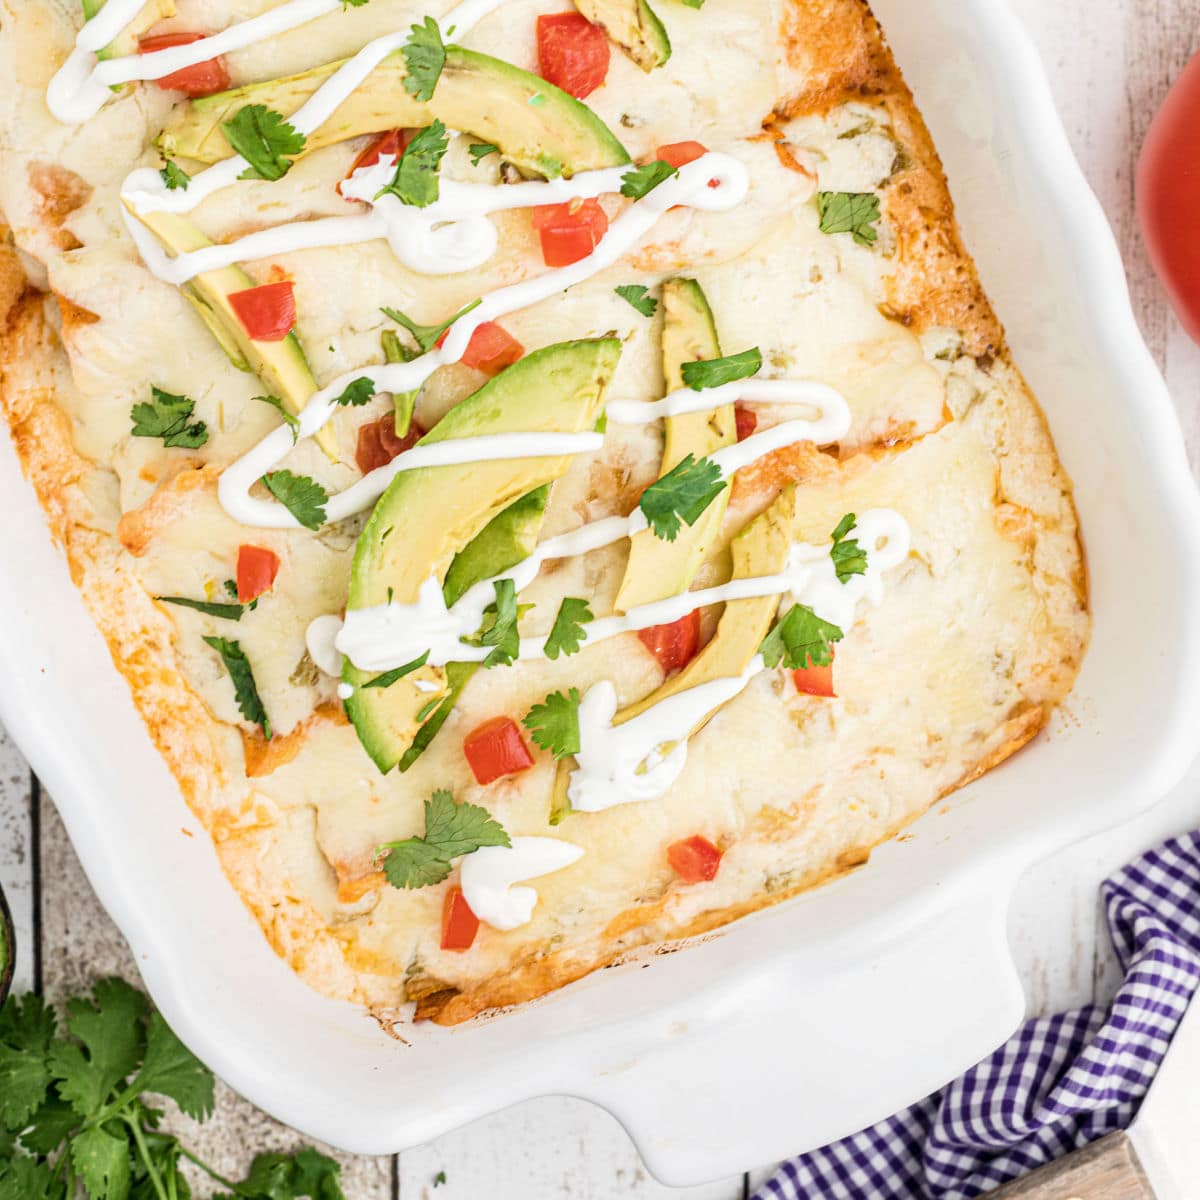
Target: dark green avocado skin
{"x":8,"y":948}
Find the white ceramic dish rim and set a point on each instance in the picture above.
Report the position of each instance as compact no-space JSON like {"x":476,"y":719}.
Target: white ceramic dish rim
{"x":637,"y":1054}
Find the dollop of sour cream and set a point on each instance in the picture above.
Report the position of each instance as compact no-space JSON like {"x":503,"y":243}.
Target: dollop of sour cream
{"x":490,"y":877}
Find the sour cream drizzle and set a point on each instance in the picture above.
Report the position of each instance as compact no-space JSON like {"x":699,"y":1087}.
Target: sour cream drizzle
{"x":641,"y":758}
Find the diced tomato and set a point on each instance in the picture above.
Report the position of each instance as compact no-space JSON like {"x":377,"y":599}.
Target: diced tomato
{"x":569,"y":232}
{"x":256,"y":571}
{"x":694,"y":860}
{"x":378,"y":442}
{"x":679,"y":154}
{"x":391,"y":144}
{"x":267,"y":312}
{"x":814,"y":680}
{"x":459,"y":923}
{"x":573,"y":54}
{"x":747,"y":422}
{"x":491,"y":348}
{"x":496,"y":749}
{"x":674,"y":645}
{"x":201,"y":79}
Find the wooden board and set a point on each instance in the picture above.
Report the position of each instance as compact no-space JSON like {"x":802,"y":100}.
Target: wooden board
{"x":1106,"y":1170}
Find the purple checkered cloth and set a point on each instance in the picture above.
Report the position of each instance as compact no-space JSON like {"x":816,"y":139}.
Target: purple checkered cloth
{"x":1059,"y":1083}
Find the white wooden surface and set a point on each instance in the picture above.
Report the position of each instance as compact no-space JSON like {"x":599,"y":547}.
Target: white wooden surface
{"x":1110,"y":65}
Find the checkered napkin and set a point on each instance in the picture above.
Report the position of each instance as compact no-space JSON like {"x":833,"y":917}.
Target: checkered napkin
{"x":1059,"y":1083}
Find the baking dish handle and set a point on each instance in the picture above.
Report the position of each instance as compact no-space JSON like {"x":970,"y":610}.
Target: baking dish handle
{"x":790,"y":1062}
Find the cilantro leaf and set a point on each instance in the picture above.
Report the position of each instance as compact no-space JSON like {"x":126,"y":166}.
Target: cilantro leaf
{"x":502,"y":633}
{"x":481,"y":150}
{"x":27,"y":1030}
{"x":416,"y":179}
{"x":849,"y":558}
{"x":166,"y":416}
{"x":641,"y":181}
{"x":554,"y":724}
{"x":103,"y":1164}
{"x":51,"y":1125}
{"x":26,"y":1179}
{"x":303,"y":497}
{"x":390,"y":677}
{"x":171,"y":1069}
{"x":352,"y":4}
{"x":245,"y":690}
{"x":567,"y":636}
{"x":265,"y":139}
{"x":715,"y":371}
{"x":286,"y":1177}
{"x":684,"y":492}
{"x":358,"y":392}
{"x":227,"y":612}
{"x":174,"y":176}
{"x":426,"y":336}
{"x":451,"y":830}
{"x":425,"y":56}
{"x":290,"y":419}
{"x":639,"y":296}
{"x":799,"y":640}
{"x":850,"y":212}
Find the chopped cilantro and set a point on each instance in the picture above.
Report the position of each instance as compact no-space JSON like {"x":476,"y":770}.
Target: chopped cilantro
{"x":290,"y":419}
{"x":481,"y":150}
{"x":426,"y":336}
{"x":451,"y":830}
{"x":713,"y":372}
{"x":850,"y":212}
{"x":554,"y":724}
{"x":567,"y":635}
{"x":500,"y":626}
{"x":799,"y":640}
{"x":639,"y":297}
{"x":228,"y":612}
{"x":303,"y":497}
{"x":416,"y":179}
{"x":683,"y":493}
{"x":174,"y":176}
{"x":641,"y":181}
{"x":390,"y":677}
{"x":357,"y":393}
{"x":425,"y":56}
{"x":166,"y":416}
{"x":249,"y":702}
{"x":849,"y":558}
{"x":265,"y":139}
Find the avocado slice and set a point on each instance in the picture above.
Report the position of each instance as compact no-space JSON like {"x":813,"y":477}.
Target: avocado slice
{"x":429,"y":515}
{"x":126,"y":42}
{"x":281,"y":365}
{"x":656,"y":568}
{"x":761,"y":548}
{"x":537,"y":127}
{"x":634,"y":26}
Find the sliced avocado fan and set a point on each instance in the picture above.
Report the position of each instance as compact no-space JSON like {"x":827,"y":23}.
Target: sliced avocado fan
{"x":427,"y":516}
{"x":761,"y":548}
{"x":633,"y":25}
{"x":537,"y":127}
{"x":657,"y":568}
{"x":126,"y":42}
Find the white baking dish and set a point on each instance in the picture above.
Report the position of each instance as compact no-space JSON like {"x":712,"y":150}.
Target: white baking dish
{"x":812,"y":1019}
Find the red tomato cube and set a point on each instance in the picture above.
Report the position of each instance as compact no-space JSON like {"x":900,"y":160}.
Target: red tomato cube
{"x":391,"y":144}
{"x":256,"y":570}
{"x":674,"y":645}
{"x":814,"y":680}
{"x":679,"y":154}
{"x":573,"y":54}
{"x":496,"y":749}
{"x":201,"y":79}
{"x":459,"y":923}
{"x":569,"y":232}
{"x":694,"y":860}
{"x":747,"y":421}
{"x":267,"y":312}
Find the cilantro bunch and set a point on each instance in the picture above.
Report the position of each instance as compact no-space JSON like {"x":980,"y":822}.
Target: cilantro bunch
{"x":76,"y":1118}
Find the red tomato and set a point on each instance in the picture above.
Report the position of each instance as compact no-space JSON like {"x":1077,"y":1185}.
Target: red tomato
{"x":459,"y":923}
{"x":747,"y":422}
{"x":256,"y":571}
{"x":202,"y":79}
{"x":679,"y":154}
{"x":1168,"y":194}
{"x":391,"y":144}
{"x":267,"y":312}
{"x":814,"y":680}
{"x":496,"y":749}
{"x":491,"y":348}
{"x":674,"y":645}
{"x":573,"y":53}
{"x":694,"y":860}
{"x":378,"y":442}
{"x":569,"y":232}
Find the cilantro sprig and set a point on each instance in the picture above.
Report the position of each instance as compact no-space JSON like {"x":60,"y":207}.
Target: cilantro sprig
{"x":245,"y":690}
{"x":639,"y":296}
{"x":567,"y":635}
{"x":167,"y":416}
{"x":426,"y":336}
{"x":174,"y":177}
{"x":849,"y":558}
{"x":801,"y":639}
{"x":76,"y":1108}
{"x":714,"y":372}
{"x":303,"y":497}
{"x":641,"y":181}
{"x":357,"y":393}
{"x":500,"y":626}
{"x":682,"y":494}
{"x":554,"y":724}
{"x":227,"y":612}
{"x":289,"y":418}
{"x":481,"y":150}
{"x":451,"y":830}
{"x":265,"y":139}
{"x":389,"y":677}
{"x":416,"y":179}
{"x":424,"y":56}
{"x":850,"y":212}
